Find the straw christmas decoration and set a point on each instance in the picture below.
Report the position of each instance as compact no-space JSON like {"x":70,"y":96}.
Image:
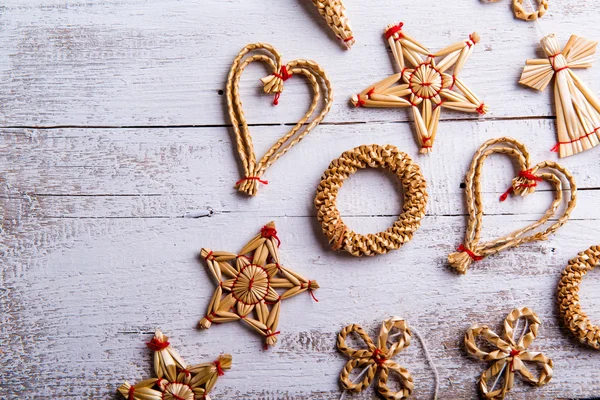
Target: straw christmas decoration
{"x":568,"y":297}
{"x":522,"y":13}
{"x":423,"y":84}
{"x":377,"y":358}
{"x":175,"y":380}
{"x":525,"y":183}
{"x":247,"y":282}
{"x":509,"y":354}
{"x":413,"y":209}
{"x":334,"y":13}
{"x":577,"y":108}
{"x":273,"y":84}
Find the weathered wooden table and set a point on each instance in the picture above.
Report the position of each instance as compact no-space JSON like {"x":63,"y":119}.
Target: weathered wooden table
{"x":115,"y":138}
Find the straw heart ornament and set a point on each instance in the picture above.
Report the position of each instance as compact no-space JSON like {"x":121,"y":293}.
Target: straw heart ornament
{"x":424,"y":84}
{"x":175,"y":380}
{"x":334,"y":13}
{"x":272,"y":84}
{"x":247,"y":282}
{"x":509,"y":354}
{"x":524,"y":184}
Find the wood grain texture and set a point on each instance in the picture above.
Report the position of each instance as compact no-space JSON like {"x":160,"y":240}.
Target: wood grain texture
{"x":115,"y":139}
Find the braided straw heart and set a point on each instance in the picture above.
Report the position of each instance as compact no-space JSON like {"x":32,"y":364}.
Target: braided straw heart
{"x":273,"y":83}
{"x":509,"y":354}
{"x":523,"y":184}
{"x":377,"y":358}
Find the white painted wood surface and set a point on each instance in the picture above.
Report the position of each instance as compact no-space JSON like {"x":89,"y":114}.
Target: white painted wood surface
{"x":114,"y":134}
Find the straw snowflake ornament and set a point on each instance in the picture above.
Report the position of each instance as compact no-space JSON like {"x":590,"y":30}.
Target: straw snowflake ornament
{"x":175,"y":380}
{"x":424,"y":84}
{"x":509,"y":354}
{"x":577,"y":108}
{"x":248,"y":281}
{"x":334,"y":13}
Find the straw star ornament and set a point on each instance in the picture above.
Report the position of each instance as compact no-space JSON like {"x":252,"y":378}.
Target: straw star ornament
{"x":174,"y":379}
{"x":424,"y":84}
{"x":247,"y":283}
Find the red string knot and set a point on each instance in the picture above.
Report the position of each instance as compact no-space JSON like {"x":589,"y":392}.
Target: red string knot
{"x":269,"y":232}
{"x":220,"y":371}
{"x":473,"y":256}
{"x":378,"y":357}
{"x":283,"y":74}
{"x":481,"y":109}
{"x":393,"y":30}
{"x":157,"y":345}
{"x":515,"y":352}
{"x":527,"y":174}
{"x":208,"y":256}
{"x":130,"y":393}
{"x":349,"y":39}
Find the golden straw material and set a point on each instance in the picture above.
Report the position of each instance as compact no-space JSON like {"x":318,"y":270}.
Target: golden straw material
{"x":175,"y":380}
{"x":509,"y":354}
{"x":522,"y":13}
{"x":273,"y":84}
{"x":525,"y":183}
{"x":247,"y":282}
{"x":568,"y":297}
{"x":413,"y":210}
{"x":424,"y":84}
{"x":377,"y":357}
{"x":334,"y":13}
{"x":577,"y":108}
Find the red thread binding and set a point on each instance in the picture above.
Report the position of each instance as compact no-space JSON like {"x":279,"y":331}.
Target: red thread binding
{"x":561,"y":69}
{"x":284,"y":75}
{"x":378,"y":357}
{"x":555,"y":148}
{"x":157,"y":345}
{"x":587,"y":135}
{"x":349,"y":39}
{"x":220,"y":371}
{"x":252,"y":178}
{"x":310,"y":291}
{"x":208,"y":256}
{"x":527,"y":174}
{"x":270,"y":335}
{"x":130,"y":393}
{"x":481,"y":109}
{"x":393,"y":30}
{"x":269,"y":232}
{"x":513,"y":354}
{"x":473,"y":256}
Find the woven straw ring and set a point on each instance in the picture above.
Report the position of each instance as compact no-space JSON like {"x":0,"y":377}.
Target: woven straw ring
{"x":525,"y":15}
{"x":413,"y":209}
{"x":568,"y":297}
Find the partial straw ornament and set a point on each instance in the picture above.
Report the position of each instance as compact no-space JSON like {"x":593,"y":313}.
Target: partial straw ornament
{"x":520,"y":11}
{"x":577,"y":107}
{"x":377,"y":358}
{"x":525,"y":183}
{"x":509,"y":354}
{"x":175,"y":380}
{"x":413,"y":208}
{"x":273,"y":84}
{"x":334,"y":13}
{"x":248,"y":284}
{"x":423,"y":84}
{"x":568,"y":297}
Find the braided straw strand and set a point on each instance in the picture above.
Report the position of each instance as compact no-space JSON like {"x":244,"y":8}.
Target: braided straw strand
{"x":522,"y":13}
{"x":526,"y":181}
{"x":413,"y":209}
{"x":273,"y":84}
{"x":568,"y":297}
{"x":334,"y":13}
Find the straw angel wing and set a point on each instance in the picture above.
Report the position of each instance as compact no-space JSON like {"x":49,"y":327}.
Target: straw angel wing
{"x":577,"y":108}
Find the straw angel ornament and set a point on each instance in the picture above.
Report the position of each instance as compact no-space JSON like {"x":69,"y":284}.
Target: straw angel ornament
{"x":424,"y":84}
{"x":175,"y":380}
{"x":577,"y":108}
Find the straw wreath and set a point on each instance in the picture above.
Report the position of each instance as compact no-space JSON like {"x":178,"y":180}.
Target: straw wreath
{"x":525,"y":183}
{"x":334,"y":13}
{"x":413,"y":209}
{"x":424,"y":84}
{"x":577,"y":108}
{"x":568,"y":297}
{"x":522,"y":13}
{"x":247,"y":282}
{"x":318,"y":80}
{"x":175,"y":380}
{"x":377,"y":358}
{"x":509,"y":354}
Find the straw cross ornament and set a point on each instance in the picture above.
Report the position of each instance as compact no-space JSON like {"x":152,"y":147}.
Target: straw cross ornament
{"x":424,"y":84}
{"x":509,"y":355}
{"x":377,"y":358}
{"x":248,"y":281}
{"x":175,"y":380}
{"x":577,"y":108}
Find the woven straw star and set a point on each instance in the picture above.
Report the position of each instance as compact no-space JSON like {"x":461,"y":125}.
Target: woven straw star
{"x":509,"y":355}
{"x":423,"y":83}
{"x":377,"y":358}
{"x":248,"y":281}
{"x":174,"y":379}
